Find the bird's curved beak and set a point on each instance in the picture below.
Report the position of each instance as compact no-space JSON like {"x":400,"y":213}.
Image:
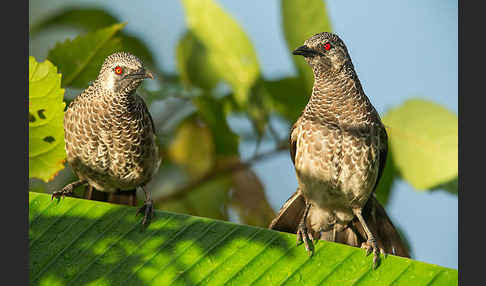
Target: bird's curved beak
{"x":305,"y":51}
{"x":141,"y":75}
{"x":149,"y":74}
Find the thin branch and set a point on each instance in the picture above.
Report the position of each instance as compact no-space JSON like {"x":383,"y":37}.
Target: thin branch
{"x":220,"y":172}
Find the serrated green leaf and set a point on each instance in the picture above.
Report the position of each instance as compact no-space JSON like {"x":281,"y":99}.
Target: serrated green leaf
{"x":46,"y":113}
{"x":91,"y":19}
{"x":79,"y":242}
{"x":301,"y":20}
{"x":80,"y":59}
{"x":225,"y":41}
{"x":424,"y":138}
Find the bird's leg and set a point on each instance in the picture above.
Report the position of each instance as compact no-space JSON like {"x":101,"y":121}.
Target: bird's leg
{"x":68,"y":189}
{"x":89,"y":196}
{"x":147,"y":207}
{"x":302,"y":232}
{"x":370,"y":244}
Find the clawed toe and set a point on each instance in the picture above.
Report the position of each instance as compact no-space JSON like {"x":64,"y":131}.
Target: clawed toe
{"x":56,"y":195}
{"x":148,"y":211}
{"x":306,"y":237}
{"x":371,"y":246}
{"x":62,"y":193}
{"x":303,"y":234}
{"x":67,"y":190}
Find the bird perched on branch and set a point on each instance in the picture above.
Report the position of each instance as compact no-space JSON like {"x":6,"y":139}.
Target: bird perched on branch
{"x":110,"y":135}
{"x":338,"y":147}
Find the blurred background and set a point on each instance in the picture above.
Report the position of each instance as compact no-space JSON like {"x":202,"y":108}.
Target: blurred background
{"x":228,"y":160}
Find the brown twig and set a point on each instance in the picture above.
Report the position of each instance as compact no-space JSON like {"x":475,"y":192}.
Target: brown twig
{"x":220,"y":172}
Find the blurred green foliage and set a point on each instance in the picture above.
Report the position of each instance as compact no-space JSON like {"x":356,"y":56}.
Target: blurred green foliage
{"x":202,"y":170}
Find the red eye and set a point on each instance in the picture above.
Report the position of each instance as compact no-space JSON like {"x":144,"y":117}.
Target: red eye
{"x":118,"y":70}
{"x":327,"y":46}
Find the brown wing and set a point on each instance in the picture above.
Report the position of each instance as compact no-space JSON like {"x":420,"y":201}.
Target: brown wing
{"x":383,"y":154}
{"x":387,"y":236}
{"x":146,"y":111}
{"x":293,"y":143}
{"x":289,"y":215}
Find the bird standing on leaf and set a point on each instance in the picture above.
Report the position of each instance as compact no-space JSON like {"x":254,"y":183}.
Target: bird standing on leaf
{"x":110,"y":135}
{"x":339,"y":147}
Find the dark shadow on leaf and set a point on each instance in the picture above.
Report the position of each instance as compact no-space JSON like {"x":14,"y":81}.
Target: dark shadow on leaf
{"x":76,"y":243}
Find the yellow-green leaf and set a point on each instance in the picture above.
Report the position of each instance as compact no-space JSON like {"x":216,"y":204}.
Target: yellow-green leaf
{"x":46,"y":112}
{"x":301,"y":20}
{"x":193,"y":147}
{"x":225,"y":41}
{"x":424,"y":139}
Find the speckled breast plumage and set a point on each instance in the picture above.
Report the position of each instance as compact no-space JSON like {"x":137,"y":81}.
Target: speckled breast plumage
{"x":110,"y":140}
{"x":337,"y":141}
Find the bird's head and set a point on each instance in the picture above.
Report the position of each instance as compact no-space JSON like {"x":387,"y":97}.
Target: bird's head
{"x":325,"y":52}
{"x":122,"y":72}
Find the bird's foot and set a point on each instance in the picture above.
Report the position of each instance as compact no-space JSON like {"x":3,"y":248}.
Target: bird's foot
{"x":371,"y":246}
{"x":304,"y":235}
{"x":66,"y":191}
{"x":148,"y":210}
